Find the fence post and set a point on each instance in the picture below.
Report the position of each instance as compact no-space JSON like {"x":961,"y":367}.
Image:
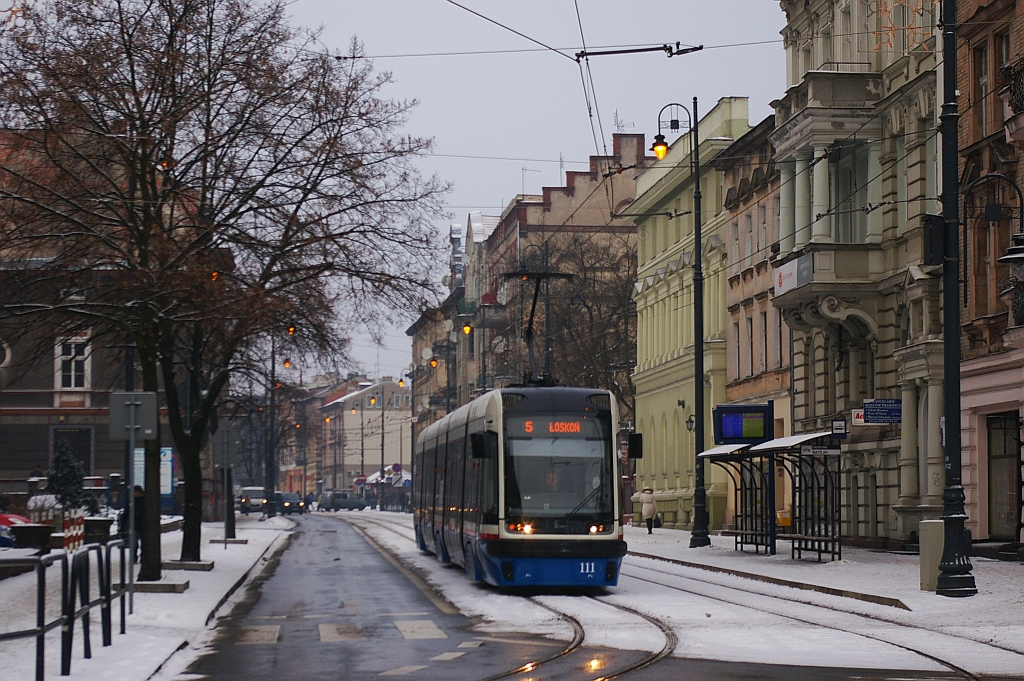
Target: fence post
{"x":66,"y":629}
{"x":104,"y":580}
{"x":40,"y":619}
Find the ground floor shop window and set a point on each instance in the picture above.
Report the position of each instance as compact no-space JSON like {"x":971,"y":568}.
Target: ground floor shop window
{"x":1004,"y":476}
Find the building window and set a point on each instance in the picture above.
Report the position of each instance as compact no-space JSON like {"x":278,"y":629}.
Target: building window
{"x":398,"y":401}
{"x":750,"y":346}
{"x":408,"y":400}
{"x":981,"y":89}
{"x":737,"y":372}
{"x":850,"y":172}
{"x":73,"y":364}
{"x":762,"y":354}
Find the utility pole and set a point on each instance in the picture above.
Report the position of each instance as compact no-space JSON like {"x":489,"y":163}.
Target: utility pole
{"x":955,"y":578}
{"x":380,"y":482}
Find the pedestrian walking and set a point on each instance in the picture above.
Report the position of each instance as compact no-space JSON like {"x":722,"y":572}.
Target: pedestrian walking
{"x":647,"y":508}
{"x":309,"y":502}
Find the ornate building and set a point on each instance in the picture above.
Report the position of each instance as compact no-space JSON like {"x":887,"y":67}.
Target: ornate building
{"x":856,"y":147}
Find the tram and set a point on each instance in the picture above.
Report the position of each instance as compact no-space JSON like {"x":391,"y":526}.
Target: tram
{"x":520,"y":488}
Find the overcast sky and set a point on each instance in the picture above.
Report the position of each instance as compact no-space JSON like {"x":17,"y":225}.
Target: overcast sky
{"x":524,"y":106}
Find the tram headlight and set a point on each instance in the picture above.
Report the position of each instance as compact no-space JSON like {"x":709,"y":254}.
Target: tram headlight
{"x":595,"y":529}
{"x":527,"y":529}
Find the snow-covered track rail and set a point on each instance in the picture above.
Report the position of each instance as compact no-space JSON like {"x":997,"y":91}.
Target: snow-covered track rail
{"x":743,"y":600}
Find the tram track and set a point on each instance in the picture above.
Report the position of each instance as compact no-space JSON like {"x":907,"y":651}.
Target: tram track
{"x":579,"y":632}
{"x":738,"y":602}
{"x":742,"y":599}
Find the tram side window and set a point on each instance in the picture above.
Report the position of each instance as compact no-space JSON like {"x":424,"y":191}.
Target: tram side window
{"x":471,"y":487}
{"x":454,"y":477}
{"x":489,"y":490}
{"x":439,"y":477}
{"x":417,"y":493}
{"x":428,"y":478}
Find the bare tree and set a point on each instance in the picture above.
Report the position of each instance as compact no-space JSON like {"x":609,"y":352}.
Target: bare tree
{"x":200,"y":176}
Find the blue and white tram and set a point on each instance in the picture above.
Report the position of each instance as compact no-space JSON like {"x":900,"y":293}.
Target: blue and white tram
{"x":519,"y":487}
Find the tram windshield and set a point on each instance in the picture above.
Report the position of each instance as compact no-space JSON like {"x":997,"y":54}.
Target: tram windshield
{"x":559,"y":473}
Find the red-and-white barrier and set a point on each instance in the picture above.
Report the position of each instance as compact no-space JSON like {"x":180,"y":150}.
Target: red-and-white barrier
{"x":74,"y":529}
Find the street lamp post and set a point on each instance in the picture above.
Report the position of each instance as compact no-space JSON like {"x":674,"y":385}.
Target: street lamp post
{"x":380,"y":480}
{"x":699,"y":534}
{"x":955,"y":578}
{"x":269,"y":483}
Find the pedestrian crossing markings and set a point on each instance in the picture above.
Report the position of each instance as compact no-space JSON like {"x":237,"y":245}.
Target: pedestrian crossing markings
{"x":258,"y":634}
{"x":339,"y":632}
{"x":419,"y":629}
{"x":407,"y":669}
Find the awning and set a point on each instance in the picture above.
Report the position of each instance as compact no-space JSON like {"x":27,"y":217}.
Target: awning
{"x":781,"y":443}
{"x":722,"y":450}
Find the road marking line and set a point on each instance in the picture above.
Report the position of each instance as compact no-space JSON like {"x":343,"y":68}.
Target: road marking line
{"x":471,"y":644}
{"x":407,"y":669}
{"x":259,"y":634}
{"x":447,"y":656}
{"x":330,"y":633}
{"x":313,"y":617}
{"x":518,"y":641}
{"x":419,"y":629}
{"x":402,"y":614}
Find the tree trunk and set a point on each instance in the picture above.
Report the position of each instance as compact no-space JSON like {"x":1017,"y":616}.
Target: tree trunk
{"x":192,"y":526}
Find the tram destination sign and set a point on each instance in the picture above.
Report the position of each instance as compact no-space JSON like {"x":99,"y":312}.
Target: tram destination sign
{"x":883,"y":411}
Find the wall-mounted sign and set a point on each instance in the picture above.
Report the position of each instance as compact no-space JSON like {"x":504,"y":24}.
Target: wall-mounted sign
{"x":794,"y":273}
{"x":838,"y":429}
{"x":883,"y":411}
{"x":857,"y":416}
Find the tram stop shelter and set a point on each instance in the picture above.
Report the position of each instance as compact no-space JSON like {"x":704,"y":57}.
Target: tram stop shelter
{"x":811,"y":463}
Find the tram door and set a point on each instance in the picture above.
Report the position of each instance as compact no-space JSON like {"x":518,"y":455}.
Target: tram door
{"x":453,"y":507}
{"x":1004,"y":476}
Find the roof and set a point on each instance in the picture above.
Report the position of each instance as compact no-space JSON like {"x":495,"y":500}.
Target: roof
{"x":788,"y":442}
{"x":482,"y":225}
{"x":723,"y":450}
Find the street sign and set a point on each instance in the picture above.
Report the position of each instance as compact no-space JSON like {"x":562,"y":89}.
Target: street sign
{"x":883,"y":411}
{"x":145,"y":415}
{"x":361,"y":478}
{"x":396,"y":468}
{"x":807,"y":450}
{"x":166,"y":469}
{"x":838,"y":429}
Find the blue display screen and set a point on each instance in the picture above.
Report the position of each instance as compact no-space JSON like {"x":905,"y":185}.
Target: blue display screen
{"x":743,"y":425}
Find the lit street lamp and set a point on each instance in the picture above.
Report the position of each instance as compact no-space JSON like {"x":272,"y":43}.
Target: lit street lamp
{"x":699,"y":533}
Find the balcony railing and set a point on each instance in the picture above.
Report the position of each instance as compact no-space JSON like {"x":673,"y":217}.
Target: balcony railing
{"x":1017,"y":87}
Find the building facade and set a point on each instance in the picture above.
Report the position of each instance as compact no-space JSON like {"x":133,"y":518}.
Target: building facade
{"x":664,"y":377}
{"x":856,"y":145}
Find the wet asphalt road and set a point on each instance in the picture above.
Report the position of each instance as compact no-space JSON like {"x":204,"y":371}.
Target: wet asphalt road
{"x":331,"y":606}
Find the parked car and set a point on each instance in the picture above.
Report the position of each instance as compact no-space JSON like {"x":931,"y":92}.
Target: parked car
{"x":333,"y":501}
{"x":251,"y":500}
{"x":289,"y":502}
{"x":6,"y":520}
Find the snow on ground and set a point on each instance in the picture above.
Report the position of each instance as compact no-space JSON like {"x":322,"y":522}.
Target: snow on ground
{"x":713,"y":623}
{"x":161,"y":624}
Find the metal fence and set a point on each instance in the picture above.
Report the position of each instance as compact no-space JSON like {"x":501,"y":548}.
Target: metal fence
{"x":75,"y":582}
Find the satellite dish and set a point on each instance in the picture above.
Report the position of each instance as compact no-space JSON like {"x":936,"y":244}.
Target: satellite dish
{"x":425,"y":399}
{"x":448,"y":325}
{"x":412,"y":366}
{"x":453,"y":337}
{"x":426,"y":354}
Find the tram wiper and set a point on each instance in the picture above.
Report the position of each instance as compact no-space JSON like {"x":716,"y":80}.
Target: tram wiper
{"x":571,"y":514}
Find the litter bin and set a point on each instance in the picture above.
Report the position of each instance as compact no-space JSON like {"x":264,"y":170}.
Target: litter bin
{"x":97,"y":530}
{"x":783,"y":519}
{"x":932,"y":539}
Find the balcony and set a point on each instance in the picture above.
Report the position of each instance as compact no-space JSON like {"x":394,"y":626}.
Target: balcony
{"x":1013,"y":103}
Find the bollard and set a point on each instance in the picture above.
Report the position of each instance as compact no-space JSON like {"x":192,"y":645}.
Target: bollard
{"x":932,"y":540}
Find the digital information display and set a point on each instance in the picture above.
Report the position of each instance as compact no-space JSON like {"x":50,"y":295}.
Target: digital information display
{"x":546,"y":426}
{"x":743,"y":424}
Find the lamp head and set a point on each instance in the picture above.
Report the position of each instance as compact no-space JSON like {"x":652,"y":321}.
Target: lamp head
{"x":467,"y":329}
{"x":433,"y":363}
{"x":291,"y":330}
{"x":690,"y":423}
{"x":660,"y":147}
{"x":1015,"y":257}
{"x":401,"y":383}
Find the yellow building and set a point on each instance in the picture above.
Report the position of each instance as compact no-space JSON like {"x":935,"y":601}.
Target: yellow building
{"x":664,"y":378}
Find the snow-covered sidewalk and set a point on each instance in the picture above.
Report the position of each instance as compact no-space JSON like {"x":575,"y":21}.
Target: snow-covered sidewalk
{"x":161,"y":624}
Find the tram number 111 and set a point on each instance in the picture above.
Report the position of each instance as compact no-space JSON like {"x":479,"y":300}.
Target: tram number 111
{"x":587,"y":568}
